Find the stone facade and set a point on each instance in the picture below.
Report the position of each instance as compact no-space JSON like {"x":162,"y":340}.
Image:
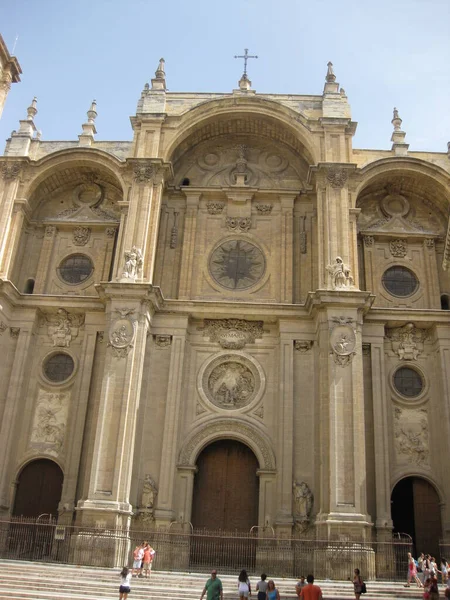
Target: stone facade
{"x":121,"y":257}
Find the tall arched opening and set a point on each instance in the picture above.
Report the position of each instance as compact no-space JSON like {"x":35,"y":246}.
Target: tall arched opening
{"x":415,"y":510}
{"x":226,"y":487}
{"x":39,"y":489}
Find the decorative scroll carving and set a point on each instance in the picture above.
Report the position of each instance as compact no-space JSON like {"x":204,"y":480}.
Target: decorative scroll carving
{"x":81,"y":236}
{"x":63,"y":327}
{"x":215,"y":208}
{"x":337,"y":177}
{"x":368,"y":241}
{"x":133,"y":264}
{"x":264,"y":209}
{"x":111,"y":232}
{"x":238,"y":430}
{"x":10,"y":171}
{"x":233,"y":334}
{"x":238,"y":223}
{"x":303,"y":500}
{"x":407,"y":341}
{"x":3,"y":327}
{"x":14,"y":332}
{"x":398,"y":248}
{"x":343,"y":343}
{"x":143,"y":173}
{"x":411,"y":435}
{"x":50,"y":231}
{"x":49,"y":422}
{"x":260,"y":412}
{"x":429,"y":243}
{"x":303,"y":345}
{"x":121,"y":334}
{"x":340,"y":274}
{"x":162,"y":341}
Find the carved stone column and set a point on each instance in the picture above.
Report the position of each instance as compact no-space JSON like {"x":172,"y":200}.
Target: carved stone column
{"x":375,"y":335}
{"x":342,"y":502}
{"x":12,"y":417}
{"x":165,"y":513}
{"x":43,"y":270}
{"x":287,"y":246}
{"x":129,"y":309}
{"x":20,"y":211}
{"x":186,"y":475}
{"x":267,"y":485}
{"x":9,"y":184}
{"x":284,"y":519}
{"x":190,"y":230}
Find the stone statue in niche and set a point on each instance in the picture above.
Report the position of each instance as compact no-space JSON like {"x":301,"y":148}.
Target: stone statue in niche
{"x":231,"y":385}
{"x":133,"y":264}
{"x":303,"y":502}
{"x":341,"y":276}
{"x":149,"y":493}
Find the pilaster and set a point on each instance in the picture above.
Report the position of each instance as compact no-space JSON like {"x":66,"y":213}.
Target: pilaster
{"x":287,"y":246}
{"x":343,"y":503}
{"x":165,"y":513}
{"x":190,"y":230}
{"x":9,"y":185}
{"x":43,"y":270}
{"x":21,"y":210}
{"x":129,"y":308}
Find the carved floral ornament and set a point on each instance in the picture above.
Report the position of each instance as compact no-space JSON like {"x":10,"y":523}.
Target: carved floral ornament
{"x":343,"y":341}
{"x":232,"y":334}
{"x":215,"y":208}
{"x":11,"y":171}
{"x":62,"y":327}
{"x":337,"y":177}
{"x":81,"y":235}
{"x":407,"y":341}
{"x":122,"y":333}
{"x":398,"y":248}
{"x":411,"y":436}
{"x":238,"y":223}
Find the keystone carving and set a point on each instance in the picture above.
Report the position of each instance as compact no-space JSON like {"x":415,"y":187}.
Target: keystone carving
{"x":233,"y":334}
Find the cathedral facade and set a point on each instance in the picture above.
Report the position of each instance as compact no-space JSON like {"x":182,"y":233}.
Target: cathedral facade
{"x":234,"y":320}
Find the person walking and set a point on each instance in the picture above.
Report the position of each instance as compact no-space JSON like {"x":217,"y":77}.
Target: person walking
{"x":244,"y":586}
{"x":412,"y":572}
{"x":261,"y":587}
{"x":357,"y":584}
{"x":311,"y":591}
{"x":300,"y":585}
{"x":213,"y":588}
{"x":272,"y":592}
{"x":125,"y":579}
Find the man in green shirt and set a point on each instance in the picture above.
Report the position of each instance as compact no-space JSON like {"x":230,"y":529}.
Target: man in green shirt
{"x":213,"y":588}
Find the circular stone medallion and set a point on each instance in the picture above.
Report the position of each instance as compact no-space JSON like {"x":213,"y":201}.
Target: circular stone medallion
{"x":343,"y":340}
{"x":237,"y":264}
{"x":121,"y":333}
{"x":231,"y":382}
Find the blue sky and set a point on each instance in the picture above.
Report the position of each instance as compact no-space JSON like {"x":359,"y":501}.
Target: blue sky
{"x":385,"y":54}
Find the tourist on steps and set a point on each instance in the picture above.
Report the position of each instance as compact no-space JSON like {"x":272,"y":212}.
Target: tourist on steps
{"x":244,"y":586}
{"x":311,"y":591}
{"x":261,"y":587}
{"x":272,"y":592}
{"x":125,"y":578}
{"x":213,"y":588}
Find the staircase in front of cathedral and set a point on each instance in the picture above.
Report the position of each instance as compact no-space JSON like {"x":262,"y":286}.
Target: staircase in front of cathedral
{"x":21,"y":580}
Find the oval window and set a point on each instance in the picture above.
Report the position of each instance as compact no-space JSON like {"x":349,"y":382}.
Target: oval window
{"x":75,"y":269}
{"x":59,"y":367}
{"x":400,"y":281}
{"x":408,"y":382}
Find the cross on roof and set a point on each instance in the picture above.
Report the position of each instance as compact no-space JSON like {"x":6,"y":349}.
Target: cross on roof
{"x":245,"y":56}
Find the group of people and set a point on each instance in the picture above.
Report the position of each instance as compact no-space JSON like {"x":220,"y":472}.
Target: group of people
{"x":266,"y":590}
{"x":143,"y":556}
{"x":427,"y":566}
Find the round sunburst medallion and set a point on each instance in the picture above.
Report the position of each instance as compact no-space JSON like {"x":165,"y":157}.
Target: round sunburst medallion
{"x":237,"y":264}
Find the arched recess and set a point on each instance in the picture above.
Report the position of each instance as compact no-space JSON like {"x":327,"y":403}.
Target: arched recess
{"x":416,"y":511}
{"x":227,"y":429}
{"x":39,"y":487}
{"x":210,"y":120}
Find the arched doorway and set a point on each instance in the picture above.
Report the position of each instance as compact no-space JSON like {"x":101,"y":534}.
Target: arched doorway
{"x":226,"y":487}
{"x":415,"y":510}
{"x":39,"y":489}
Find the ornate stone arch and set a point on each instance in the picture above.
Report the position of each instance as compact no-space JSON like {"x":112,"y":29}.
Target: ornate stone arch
{"x":227,"y":429}
{"x":291,"y":127}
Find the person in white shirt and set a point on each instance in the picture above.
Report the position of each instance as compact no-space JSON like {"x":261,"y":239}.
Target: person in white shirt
{"x":125,"y":579}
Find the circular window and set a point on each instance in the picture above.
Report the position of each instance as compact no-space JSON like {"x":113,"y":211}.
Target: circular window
{"x":400,"y":281}
{"x":237,"y":264}
{"x":408,"y":382}
{"x":59,"y":367}
{"x":75,"y":269}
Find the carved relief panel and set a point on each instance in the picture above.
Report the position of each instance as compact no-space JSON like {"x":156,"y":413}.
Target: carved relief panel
{"x":411,"y":436}
{"x":49,"y":422}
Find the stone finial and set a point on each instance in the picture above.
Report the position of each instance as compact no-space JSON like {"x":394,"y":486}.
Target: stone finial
{"x":399,"y":146}
{"x":159,"y":81}
{"x":32,"y":110}
{"x":244,"y":83}
{"x":87,"y":135}
{"x":330,"y":77}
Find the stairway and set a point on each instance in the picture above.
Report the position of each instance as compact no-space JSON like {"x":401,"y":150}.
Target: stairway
{"x":23,"y":580}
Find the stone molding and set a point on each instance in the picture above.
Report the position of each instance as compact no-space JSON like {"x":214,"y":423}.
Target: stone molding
{"x":227,"y":428}
{"x":232,"y":334}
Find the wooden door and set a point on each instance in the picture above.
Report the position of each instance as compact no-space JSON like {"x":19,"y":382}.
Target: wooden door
{"x":39,"y":489}
{"x":226,"y":488}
